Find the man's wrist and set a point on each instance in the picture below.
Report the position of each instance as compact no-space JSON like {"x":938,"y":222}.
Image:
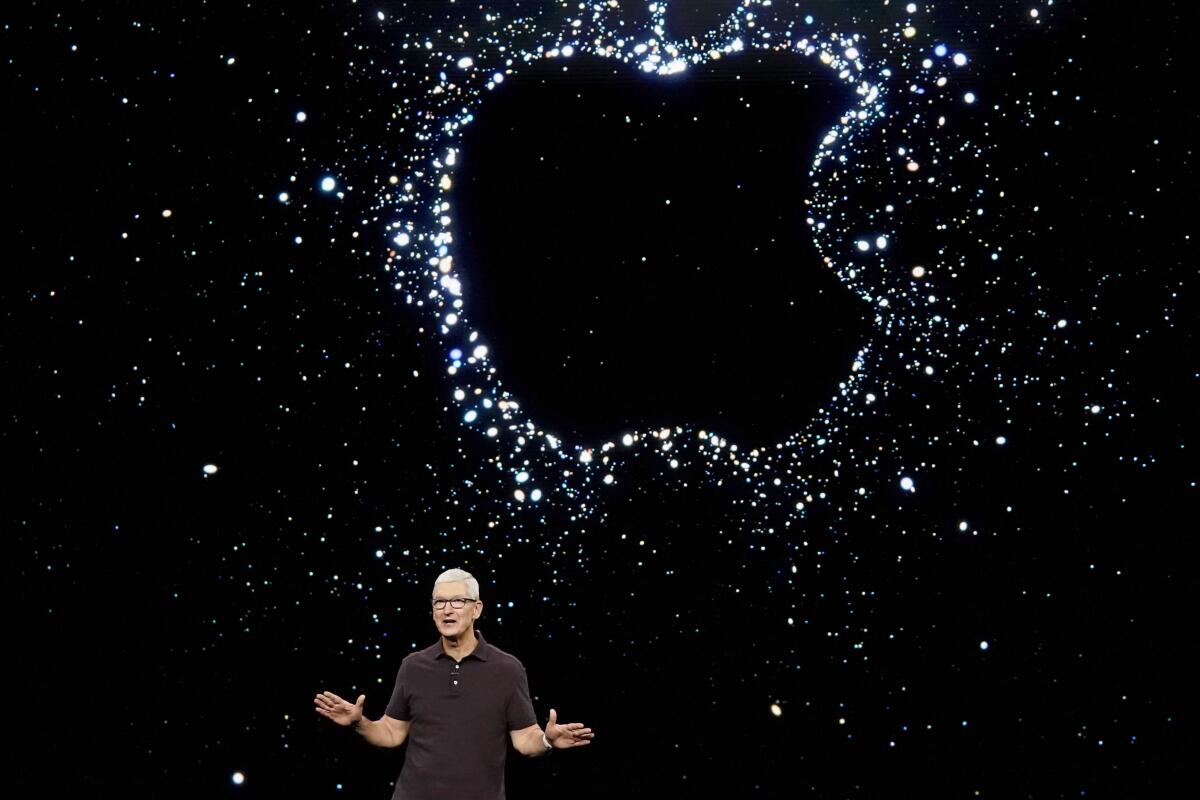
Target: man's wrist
{"x":546,"y":742}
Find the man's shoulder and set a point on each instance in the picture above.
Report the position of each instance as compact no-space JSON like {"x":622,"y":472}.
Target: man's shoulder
{"x":424,"y":654}
{"x":503,"y":660}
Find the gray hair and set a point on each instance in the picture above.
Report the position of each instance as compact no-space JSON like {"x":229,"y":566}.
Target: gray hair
{"x":460,"y":576}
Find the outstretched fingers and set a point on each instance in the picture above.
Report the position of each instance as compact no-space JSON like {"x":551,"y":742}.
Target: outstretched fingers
{"x":580,"y":735}
{"x":327,"y":704}
{"x":327,"y":700}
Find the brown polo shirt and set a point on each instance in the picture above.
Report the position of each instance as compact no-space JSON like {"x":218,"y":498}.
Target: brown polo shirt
{"x":459,"y":716}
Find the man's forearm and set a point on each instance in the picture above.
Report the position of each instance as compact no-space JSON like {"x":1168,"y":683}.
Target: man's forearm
{"x":377,"y":733}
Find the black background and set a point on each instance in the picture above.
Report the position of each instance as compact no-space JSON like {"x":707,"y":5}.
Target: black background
{"x":168,"y":629}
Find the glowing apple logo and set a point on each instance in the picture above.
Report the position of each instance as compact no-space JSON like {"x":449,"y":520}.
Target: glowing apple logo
{"x":861,"y":185}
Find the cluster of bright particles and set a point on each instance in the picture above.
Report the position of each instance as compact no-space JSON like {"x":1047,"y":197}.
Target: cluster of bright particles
{"x":902,"y":207}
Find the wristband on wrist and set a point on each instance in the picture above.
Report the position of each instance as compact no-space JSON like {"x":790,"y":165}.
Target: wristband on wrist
{"x":546,"y":742}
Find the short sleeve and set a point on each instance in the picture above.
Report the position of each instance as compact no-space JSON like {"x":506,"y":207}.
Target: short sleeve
{"x":397,"y":707}
{"x":520,"y":711}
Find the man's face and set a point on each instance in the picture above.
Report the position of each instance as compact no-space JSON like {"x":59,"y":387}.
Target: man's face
{"x":454,"y":622}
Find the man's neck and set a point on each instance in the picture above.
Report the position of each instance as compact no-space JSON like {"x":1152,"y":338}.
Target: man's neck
{"x":460,"y":647}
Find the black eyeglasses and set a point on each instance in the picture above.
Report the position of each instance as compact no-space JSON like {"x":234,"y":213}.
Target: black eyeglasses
{"x":455,"y":602}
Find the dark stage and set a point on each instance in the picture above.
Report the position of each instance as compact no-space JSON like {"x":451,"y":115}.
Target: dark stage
{"x":811,"y":387}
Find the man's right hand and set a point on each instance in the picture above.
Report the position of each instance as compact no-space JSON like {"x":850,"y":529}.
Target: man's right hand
{"x":335,"y":708}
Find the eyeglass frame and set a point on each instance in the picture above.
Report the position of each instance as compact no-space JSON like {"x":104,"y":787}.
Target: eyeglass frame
{"x":461,"y":601}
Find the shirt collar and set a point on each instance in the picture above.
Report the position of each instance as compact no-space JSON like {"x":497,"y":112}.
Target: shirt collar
{"x":480,"y":652}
